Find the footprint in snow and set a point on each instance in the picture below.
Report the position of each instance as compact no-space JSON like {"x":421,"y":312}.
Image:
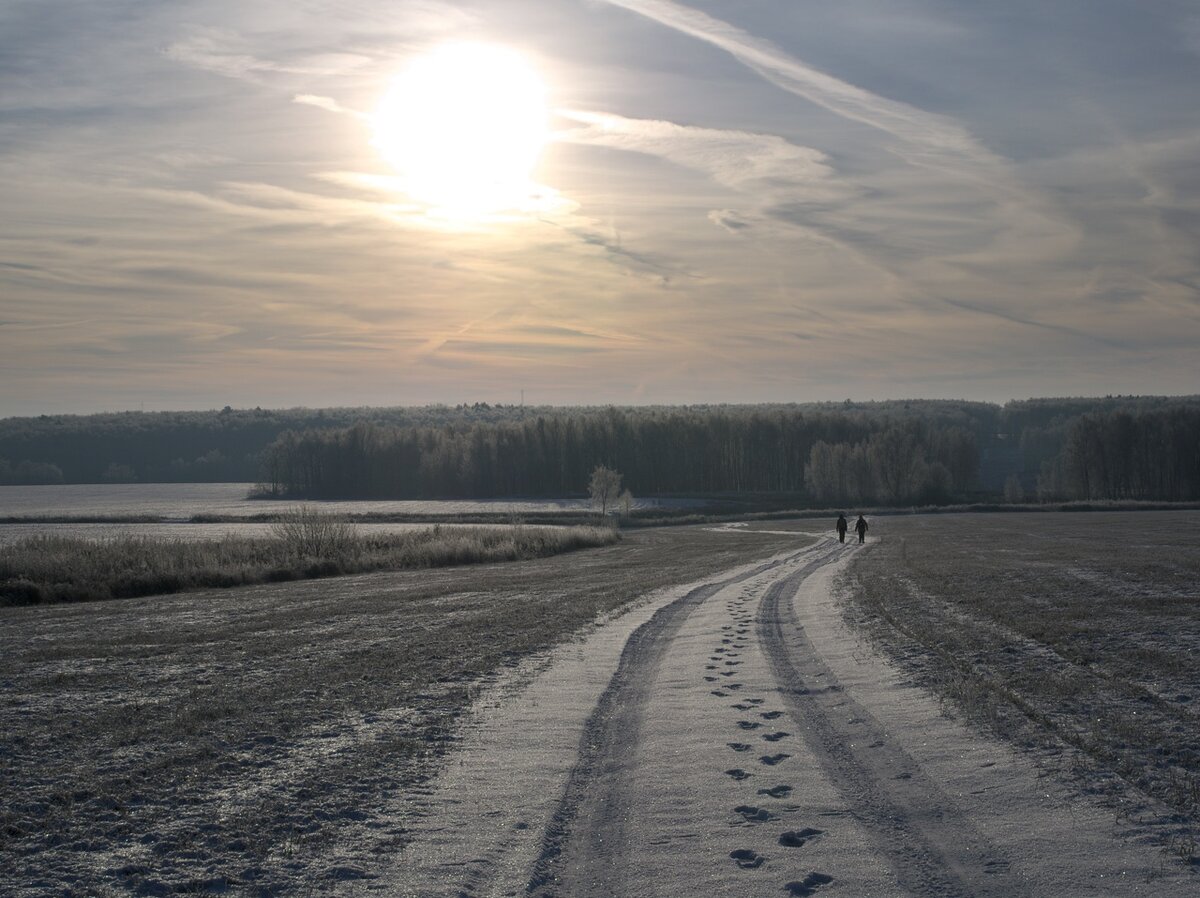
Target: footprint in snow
{"x":739,"y":746}
{"x":710,"y":679}
{"x":748,"y":724}
{"x":747,"y":859}
{"x":737,"y":773}
{"x":798,"y":838}
{"x":756,"y":701}
{"x":808,"y":885}
{"x":742,"y":706}
{"x":775,"y":737}
{"x":770,"y":715}
{"x":772,"y":760}
{"x":776,"y":791}
{"x":719,"y":694}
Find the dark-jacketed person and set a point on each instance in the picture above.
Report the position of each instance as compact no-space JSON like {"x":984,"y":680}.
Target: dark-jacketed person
{"x":842,"y":527}
{"x":861,"y":527}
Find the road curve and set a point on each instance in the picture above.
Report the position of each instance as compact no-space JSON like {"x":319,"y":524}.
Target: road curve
{"x":734,"y":739}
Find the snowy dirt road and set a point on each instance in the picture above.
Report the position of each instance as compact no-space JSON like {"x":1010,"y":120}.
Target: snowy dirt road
{"x":734,"y":738}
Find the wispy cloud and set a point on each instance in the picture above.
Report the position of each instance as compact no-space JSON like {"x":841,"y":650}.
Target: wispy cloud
{"x":223,"y":53}
{"x":926,"y":137}
{"x":728,"y":219}
{"x":733,"y":158}
{"x":806,"y":200}
{"x":329,"y":104}
{"x":953,"y":201}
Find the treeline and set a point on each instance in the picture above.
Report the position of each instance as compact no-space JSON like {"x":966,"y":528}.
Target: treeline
{"x":182,"y":447}
{"x":909,"y":451}
{"x":27,"y":472}
{"x":1141,"y":455}
{"x":901,"y":465}
{"x":901,"y":452}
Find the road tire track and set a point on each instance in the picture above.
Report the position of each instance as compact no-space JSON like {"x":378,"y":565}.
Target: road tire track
{"x":596,"y":801}
{"x":930,"y":845}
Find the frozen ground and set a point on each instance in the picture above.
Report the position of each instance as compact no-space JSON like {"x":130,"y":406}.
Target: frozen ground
{"x":265,"y":741}
{"x":684,"y":713}
{"x":736,"y":738}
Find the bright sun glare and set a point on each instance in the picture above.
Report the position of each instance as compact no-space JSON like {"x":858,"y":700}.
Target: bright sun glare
{"x":463,"y":126}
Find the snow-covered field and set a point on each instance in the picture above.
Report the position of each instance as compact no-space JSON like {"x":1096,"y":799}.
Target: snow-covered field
{"x":736,"y":738}
{"x":691,"y":712}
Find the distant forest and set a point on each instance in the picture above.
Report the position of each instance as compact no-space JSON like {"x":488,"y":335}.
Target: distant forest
{"x":914,"y":452}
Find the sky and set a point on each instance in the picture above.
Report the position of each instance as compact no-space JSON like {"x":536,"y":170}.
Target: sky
{"x":206,"y":202}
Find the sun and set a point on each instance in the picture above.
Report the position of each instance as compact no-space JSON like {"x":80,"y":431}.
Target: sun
{"x":463,"y":126}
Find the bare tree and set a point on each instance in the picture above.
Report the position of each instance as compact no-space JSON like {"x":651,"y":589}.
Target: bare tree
{"x":604,"y":487}
{"x":626,"y":503}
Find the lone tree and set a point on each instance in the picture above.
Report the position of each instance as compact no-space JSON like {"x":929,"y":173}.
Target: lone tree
{"x":604,"y":487}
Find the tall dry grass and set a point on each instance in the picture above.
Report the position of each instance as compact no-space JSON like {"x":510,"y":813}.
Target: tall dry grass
{"x":307,"y":544}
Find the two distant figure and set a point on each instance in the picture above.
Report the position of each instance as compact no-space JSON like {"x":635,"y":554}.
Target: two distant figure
{"x":860,"y":527}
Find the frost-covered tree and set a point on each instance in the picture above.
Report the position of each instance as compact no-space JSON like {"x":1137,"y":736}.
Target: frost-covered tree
{"x":604,"y":487}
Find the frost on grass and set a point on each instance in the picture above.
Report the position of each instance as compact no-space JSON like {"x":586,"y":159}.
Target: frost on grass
{"x":1066,"y":630}
{"x":258,"y":741}
{"x":305,"y":544}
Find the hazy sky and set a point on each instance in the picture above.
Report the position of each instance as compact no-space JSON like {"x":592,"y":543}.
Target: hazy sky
{"x":739,"y":201}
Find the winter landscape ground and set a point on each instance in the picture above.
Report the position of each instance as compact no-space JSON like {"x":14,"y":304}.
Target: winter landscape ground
{"x":947,"y":710}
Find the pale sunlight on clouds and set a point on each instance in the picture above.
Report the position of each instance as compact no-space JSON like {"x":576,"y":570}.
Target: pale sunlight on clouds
{"x":212,"y":202}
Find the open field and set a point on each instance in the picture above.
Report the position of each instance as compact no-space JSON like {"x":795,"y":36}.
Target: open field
{"x":253,"y":741}
{"x":418,"y":733}
{"x":1075,"y":633}
{"x":740,"y":737}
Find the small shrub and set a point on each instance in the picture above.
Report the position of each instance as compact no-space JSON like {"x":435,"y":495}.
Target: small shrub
{"x":308,"y":533}
{"x":20,"y":592}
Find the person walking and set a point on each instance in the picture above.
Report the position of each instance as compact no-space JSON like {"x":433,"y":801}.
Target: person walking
{"x":861,"y":526}
{"x":842,"y":527}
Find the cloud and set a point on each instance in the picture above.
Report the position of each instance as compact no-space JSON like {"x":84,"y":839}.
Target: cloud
{"x":281,"y":205}
{"x":942,"y":201}
{"x":217,"y":52}
{"x":663,"y":270}
{"x":327,"y":103}
{"x":765,"y":168}
{"x":735,"y":159}
{"x":736,"y":223}
{"x":1015,"y":318}
{"x":729,"y":220}
{"x":211,"y":52}
{"x":927,"y":138}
